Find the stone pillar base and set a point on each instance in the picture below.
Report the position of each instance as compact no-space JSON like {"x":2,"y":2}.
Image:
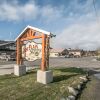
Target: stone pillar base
{"x":19,"y":70}
{"x":44,"y":77}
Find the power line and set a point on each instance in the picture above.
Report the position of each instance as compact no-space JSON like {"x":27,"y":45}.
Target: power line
{"x":95,"y":8}
{"x":95,"y":11}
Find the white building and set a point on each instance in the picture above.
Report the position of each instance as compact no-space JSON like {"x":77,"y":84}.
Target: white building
{"x":56,"y":52}
{"x":75,"y":53}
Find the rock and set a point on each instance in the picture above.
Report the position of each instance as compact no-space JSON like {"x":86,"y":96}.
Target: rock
{"x":78,"y":86}
{"x":71,"y":97}
{"x":81,"y":83}
{"x":84,"y":79}
{"x":62,"y":99}
{"x":73,"y":91}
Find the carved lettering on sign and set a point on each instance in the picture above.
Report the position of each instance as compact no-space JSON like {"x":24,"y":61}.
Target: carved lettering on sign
{"x":32,"y":51}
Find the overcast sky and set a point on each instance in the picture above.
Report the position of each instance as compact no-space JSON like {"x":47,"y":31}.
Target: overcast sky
{"x":74,"y":22}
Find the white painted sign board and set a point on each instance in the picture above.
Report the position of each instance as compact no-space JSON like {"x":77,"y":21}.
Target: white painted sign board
{"x":32,"y":51}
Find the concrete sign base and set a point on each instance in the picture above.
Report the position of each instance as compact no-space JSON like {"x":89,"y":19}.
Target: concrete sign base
{"x":19,"y":70}
{"x":44,"y":76}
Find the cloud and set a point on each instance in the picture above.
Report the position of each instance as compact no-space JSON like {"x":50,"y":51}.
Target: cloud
{"x":75,"y":25}
{"x":83,"y":34}
{"x":13,"y":11}
{"x":50,"y":13}
{"x":82,"y":30}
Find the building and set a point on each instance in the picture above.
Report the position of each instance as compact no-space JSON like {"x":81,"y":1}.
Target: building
{"x":65,"y":52}
{"x":89,"y":53}
{"x":75,"y":53}
{"x":56,"y":52}
{"x":7,"y":50}
{"x":8,"y":45}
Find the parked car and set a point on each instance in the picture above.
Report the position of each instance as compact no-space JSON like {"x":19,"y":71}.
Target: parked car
{"x":67,"y":56}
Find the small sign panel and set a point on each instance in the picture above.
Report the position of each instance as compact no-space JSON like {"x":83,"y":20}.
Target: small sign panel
{"x":32,"y":51}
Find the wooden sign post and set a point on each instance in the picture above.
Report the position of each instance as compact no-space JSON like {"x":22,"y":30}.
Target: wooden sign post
{"x":44,"y":75}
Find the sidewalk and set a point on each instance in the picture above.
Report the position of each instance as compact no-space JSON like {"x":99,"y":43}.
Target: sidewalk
{"x":8,"y":69}
{"x":92,"y":89}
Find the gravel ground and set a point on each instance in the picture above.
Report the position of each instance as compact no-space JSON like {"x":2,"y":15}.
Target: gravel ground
{"x":85,"y":62}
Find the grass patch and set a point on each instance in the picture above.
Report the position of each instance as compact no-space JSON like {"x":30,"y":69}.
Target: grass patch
{"x":98,"y":58}
{"x":26,"y":87}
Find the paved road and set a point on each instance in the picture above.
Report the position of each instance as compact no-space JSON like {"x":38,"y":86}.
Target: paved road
{"x":86,"y":62}
{"x":92,"y":89}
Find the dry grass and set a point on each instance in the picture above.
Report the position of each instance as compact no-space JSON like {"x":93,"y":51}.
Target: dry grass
{"x":26,"y":87}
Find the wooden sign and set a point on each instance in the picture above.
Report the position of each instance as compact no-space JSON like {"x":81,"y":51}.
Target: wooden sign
{"x":32,"y":51}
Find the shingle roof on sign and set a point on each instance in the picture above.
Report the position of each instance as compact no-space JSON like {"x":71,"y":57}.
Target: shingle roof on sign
{"x":34,"y":28}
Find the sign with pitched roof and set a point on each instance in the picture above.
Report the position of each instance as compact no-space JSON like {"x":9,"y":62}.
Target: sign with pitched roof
{"x":32,"y":50}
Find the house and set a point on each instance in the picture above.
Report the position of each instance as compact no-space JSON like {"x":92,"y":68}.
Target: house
{"x":65,"y":52}
{"x":7,"y":50}
{"x":90,"y":53}
{"x":7,"y":45}
{"x":75,"y":53}
{"x":56,"y":52}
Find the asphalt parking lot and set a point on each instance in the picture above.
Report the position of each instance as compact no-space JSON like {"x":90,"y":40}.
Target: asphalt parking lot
{"x":85,"y":62}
